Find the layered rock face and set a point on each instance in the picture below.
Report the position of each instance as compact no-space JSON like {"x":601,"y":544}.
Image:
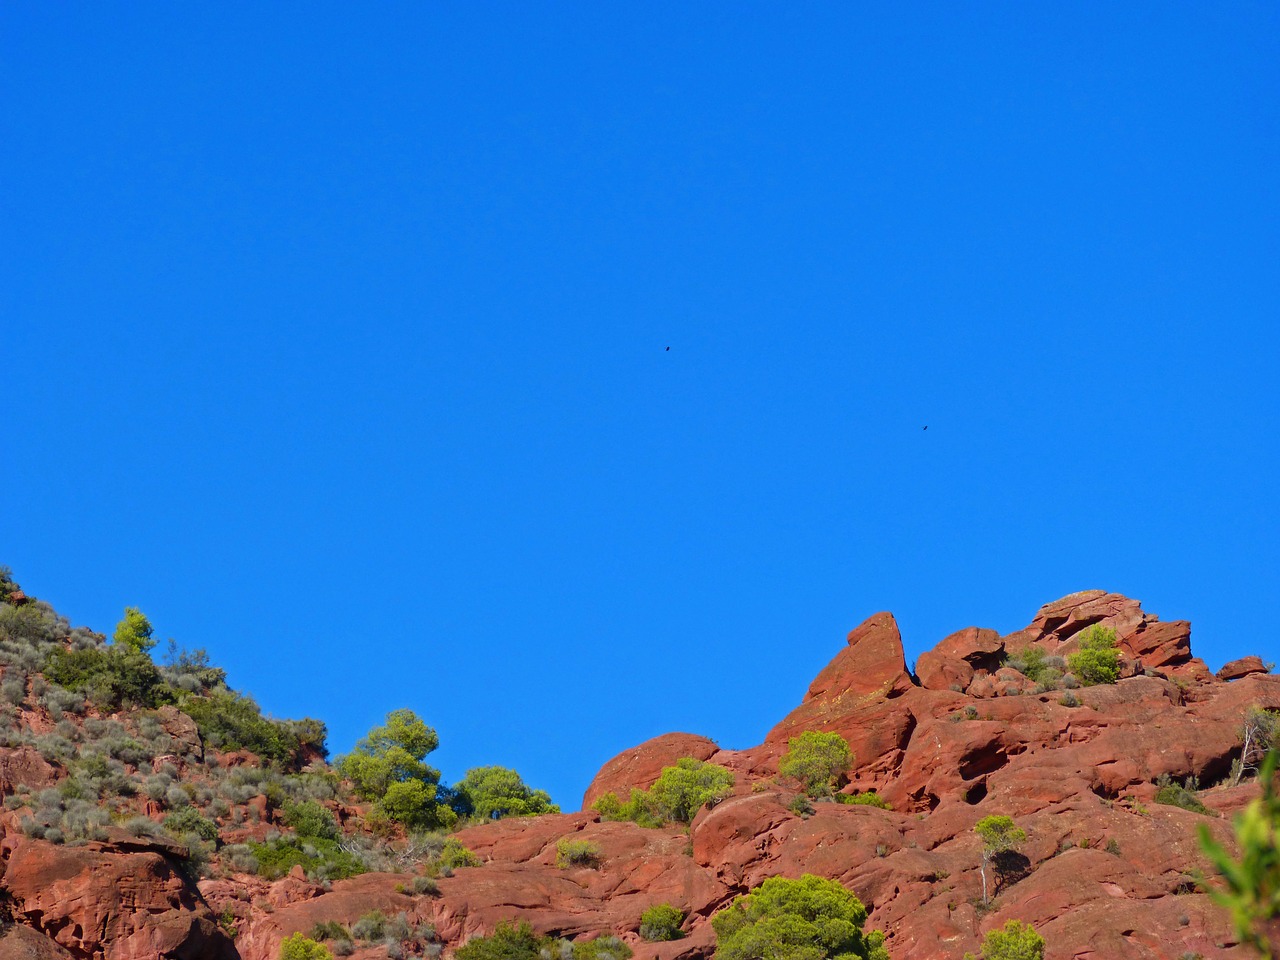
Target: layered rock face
{"x":1105,"y":872}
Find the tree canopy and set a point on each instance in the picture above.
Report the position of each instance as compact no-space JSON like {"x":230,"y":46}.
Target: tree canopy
{"x":134,"y":631}
{"x":817,"y":760}
{"x":494,"y":792}
{"x":1097,"y":660}
{"x":387,"y":766}
{"x":806,"y":919}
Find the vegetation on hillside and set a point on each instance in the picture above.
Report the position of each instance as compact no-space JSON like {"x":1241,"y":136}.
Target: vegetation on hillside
{"x":131,"y":734}
{"x":807,"y":919}
{"x":1097,"y":660}
{"x":818,"y":760}
{"x":676,"y":796}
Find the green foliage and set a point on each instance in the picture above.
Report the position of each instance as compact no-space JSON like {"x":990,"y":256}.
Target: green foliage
{"x":508,"y":942}
{"x":329,"y":930}
{"x":661,"y":922}
{"x":601,"y":948}
{"x":1251,"y":891}
{"x":1259,"y":736}
{"x":232,"y":721}
{"x":114,"y":677}
{"x":181,"y":663}
{"x":518,"y":942}
{"x":454,"y":855}
{"x":8,"y":586}
{"x":999,"y":834}
{"x":134,"y":631}
{"x":577,"y":853}
{"x":387,"y":767}
{"x":319,"y":858}
{"x":806,"y":919}
{"x":1097,"y":660}
{"x":640,"y":808}
{"x":818,"y":760}
{"x":800,"y":806}
{"x":298,"y":947}
{"x":678,"y":794}
{"x":188,"y":821}
{"x":1016,"y":941}
{"x":681,"y":791}
{"x":495,"y":792}
{"x":868,"y":798}
{"x":310,"y":819}
{"x":1038,"y":666}
{"x":414,"y":803}
{"x":1175,"y":795}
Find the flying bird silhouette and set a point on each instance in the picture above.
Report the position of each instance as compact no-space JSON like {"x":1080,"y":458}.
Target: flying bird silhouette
{"x":926,"y":426}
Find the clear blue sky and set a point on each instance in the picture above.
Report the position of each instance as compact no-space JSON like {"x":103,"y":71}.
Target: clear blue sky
{"x":334,"y":337}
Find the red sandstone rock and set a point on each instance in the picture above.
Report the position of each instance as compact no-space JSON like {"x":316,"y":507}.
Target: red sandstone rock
{"x":24,"y":766}
{"x":952,"y":663}
{"x":640,"y":766}
{"x":1242,"y":668}
{"x":126,"y":898}
{"x":24,"y":943}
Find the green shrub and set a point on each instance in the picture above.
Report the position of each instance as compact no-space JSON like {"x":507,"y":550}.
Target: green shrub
{"x":1097,"y":661}
{"x":818,"y":760}
{"x":310,"y":819}
{"x":867,"y":798}
{"x":329,"y":930}
{"x":577,"y":853}
{"x":454,"y":855}
{"x":1038,"y":666}
{"x":1175,"y":795}
{"x":1016,"y":941}
{"x":800,"y":806}
{"x":491,"y":793}
{"x":639,"y":809}
{"x":508,"y":941}
{"x":661,"y":922}
{"x":298,"y":947}
{"x":113,"y":677}
{"x":320,"y":859}
{"x":421,"y":886}
{"x":678,"y":794}
{"x":601,"y":948}
{"x":232,"y":721}
{"x":518,"y":942}
{"x":806,"y":919}
{"x":681,"y":791}
{"x":370,"y":926}
{"x":188,"y":821}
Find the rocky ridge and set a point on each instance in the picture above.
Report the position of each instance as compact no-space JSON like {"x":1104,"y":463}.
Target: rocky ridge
{"x":1105,"y":872}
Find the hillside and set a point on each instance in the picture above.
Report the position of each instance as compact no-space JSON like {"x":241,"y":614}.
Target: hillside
{"x":150,"y":811}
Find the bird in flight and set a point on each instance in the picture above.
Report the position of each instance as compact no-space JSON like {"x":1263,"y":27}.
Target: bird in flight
{"x":668,"y":348}
{"x":926,"y":426}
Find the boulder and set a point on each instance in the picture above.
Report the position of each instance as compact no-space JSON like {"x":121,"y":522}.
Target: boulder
{"x":952,"y":663}
{"x":1242,"y":668}
{"x":640,"y":766}
{"x":127,"y":899}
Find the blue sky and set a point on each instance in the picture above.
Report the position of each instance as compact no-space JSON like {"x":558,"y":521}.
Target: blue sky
{"x":336,"y":340}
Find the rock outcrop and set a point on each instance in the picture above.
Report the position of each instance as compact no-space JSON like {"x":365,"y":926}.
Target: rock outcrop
{"x":1105,"y":871}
